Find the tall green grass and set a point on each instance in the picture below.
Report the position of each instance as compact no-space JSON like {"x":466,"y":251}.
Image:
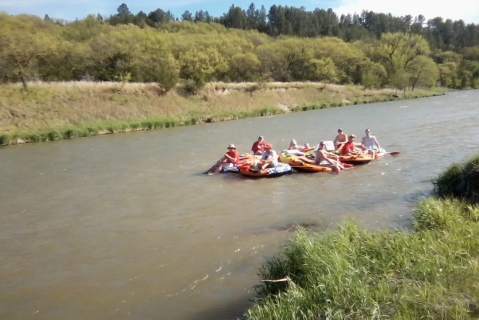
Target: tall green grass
{"x":431,"y":272}
{"x":459,"y":180}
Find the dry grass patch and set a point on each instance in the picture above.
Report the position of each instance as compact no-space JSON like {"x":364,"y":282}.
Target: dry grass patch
{"x":63,"y":106}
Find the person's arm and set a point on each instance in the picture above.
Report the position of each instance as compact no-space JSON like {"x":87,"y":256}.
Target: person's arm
{"x":353,"y":150}
{"x":267,"y":161}
{"x":230,"y":158}
{"x":377,"y":143}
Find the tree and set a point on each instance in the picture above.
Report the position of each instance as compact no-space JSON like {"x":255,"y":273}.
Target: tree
{"x":448,"y":74}
{"x":123,"y":10}
{"x":396,"y":52}
{"x":186,"y":16}
{"x":323,"y":70}
{"x":251,"y":17}
{"x":423,"y":71}
{"x":372,"y":75}
{"x":21,"y":51}
{"x":201,"y":65}
{"x":244,"y":67}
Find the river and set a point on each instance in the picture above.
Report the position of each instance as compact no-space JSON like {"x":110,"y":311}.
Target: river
{"x":127,"y":226}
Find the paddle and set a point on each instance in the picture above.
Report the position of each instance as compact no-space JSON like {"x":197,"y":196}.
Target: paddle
{"x":393,"y":153}
{"x":213,"y":167}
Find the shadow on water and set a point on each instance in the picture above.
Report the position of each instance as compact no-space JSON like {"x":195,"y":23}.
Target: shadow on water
{"x":232,"y":311}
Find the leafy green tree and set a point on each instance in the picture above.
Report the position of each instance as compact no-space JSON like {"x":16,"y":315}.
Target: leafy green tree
{"x":21,"y":51}
{"x":448,"y":74}
{"x":397,"y":52}
{"x":423,"y":71}
{"x":201,"y":65}
{"x":323,"y":70}
{"x":372,"y":75}
{"x":244,"y":67}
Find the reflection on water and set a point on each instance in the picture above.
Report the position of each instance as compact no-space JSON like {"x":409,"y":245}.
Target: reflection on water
{"x":126,"y":226}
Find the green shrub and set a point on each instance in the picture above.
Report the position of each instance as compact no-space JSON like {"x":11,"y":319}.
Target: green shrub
{"x":70,"y":134}
{"x":34,"y":137}
{"x":459,"y":180}
{"x":4,"y":139}
{"x":54,"y":135}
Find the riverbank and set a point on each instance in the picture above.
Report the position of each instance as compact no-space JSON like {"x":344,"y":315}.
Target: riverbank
{"x":66,"y":110}
{"x":353,"y":273}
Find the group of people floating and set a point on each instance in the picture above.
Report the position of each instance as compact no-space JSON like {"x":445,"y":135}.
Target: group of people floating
{"x":342,"y":144}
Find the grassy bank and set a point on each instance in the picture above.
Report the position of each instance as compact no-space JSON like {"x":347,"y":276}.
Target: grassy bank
{"x":351,"y":273}
{"x":52,"y":111}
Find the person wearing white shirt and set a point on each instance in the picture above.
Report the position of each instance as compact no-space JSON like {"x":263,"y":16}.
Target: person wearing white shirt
{"x":370,"y":142}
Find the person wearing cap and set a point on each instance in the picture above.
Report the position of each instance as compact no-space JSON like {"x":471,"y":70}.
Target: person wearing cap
{"x":269,"y":158}
{"x":340,"y":139}
{"x":370,"y":142}
{"x":258,"y":146}
{"x":323,"y":158}
{"x":231,"y":158}
{"x":349,"y":148}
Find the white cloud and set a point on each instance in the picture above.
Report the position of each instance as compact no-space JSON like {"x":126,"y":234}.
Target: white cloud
{"x":467,"y":10}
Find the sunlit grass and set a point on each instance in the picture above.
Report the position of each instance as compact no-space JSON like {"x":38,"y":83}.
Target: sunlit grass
{"x":351,"y":273}
{"x":431,"y":272}
{"x":66,"y":110}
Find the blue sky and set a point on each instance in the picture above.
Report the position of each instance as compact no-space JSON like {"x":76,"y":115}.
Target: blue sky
{"x":468,"y":10}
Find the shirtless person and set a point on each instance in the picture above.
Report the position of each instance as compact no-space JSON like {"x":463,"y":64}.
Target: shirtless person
{"x":294,"y":146}
{"x":340,"y":139}
{"x":370,"y":143}
{"x":348,"y":148}
{"x":323,"y":155}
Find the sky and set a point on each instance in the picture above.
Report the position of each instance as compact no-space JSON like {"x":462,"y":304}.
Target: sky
{"x":468,"y":10}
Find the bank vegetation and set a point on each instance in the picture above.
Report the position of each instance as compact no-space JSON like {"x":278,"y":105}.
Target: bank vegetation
{"x":350,"y":273}
{"x":66,"y":110}
{"x":154,"y":70}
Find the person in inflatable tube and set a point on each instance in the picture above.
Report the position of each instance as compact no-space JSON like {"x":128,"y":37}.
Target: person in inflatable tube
{"x":340,"y":139}
{"x":323,"y":158}
{"x":258,"y":146}
{"x":269,"y":159}
{"x":230,"y":159}
{"x":349,"y":148}
{"x":294,"y":146}
{"x":369,"y":143}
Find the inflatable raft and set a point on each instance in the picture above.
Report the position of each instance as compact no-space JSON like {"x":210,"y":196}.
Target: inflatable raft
{"x":243,"y":159}
{"x":301,"y":163}
{"x":362,"y":158}
{"x":279,"y":170}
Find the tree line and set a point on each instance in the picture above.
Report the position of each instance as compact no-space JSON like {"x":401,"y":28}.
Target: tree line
{"x":285,"y":44}
{"x":441,"y":33}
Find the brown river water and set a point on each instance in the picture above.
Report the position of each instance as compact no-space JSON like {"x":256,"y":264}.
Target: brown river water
{"x":127,"y":226}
